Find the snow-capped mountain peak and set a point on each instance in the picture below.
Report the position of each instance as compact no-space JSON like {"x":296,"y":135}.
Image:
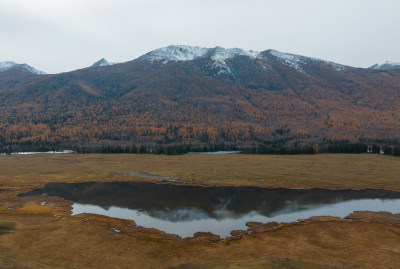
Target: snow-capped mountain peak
{"x":189,"y":53}
{"x":386,"y":66}
{"x":220,"y":56}
{"x":5,"y":66}
{"x":175,"y":53}
{"x":224,"y":54}
{"x":102,"y":62}
{"x":217,"y":55}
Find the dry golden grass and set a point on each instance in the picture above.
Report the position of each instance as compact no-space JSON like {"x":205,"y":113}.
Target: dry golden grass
{"x":271,"y":171}
{"x":45,"y":235}
{"x":86,"y":241}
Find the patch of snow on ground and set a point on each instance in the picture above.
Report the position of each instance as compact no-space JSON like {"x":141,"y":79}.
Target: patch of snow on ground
{"x":115,"y":230}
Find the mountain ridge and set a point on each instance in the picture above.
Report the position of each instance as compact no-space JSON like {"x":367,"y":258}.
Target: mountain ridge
{"x":222,"y":96}
{"x":219,"y":54}
{"x":9,"y":65}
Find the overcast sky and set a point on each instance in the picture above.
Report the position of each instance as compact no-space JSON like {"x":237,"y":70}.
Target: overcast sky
{"x":63,"y":35}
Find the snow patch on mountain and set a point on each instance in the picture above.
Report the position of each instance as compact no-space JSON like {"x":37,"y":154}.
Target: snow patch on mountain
{"x":386,"y":66}
{"x":188,"y":53}
{"x":297,"y":61}
{"x":32,"y":70}
{"x":338,"y":67}
{"x":102,"y":62}
{"x":220,"y":56}
{"x":291,"y":60}
{"x":5,"y":66}
{"x":220,"y":64}
{"x":175,"y":53}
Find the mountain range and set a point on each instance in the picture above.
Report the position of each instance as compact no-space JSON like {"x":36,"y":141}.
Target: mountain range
{"x":183,"y":94}
{"x":185,"y":53}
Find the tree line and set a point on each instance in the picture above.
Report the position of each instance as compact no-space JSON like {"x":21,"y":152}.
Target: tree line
{"x":336,"y":147}
{"x":266,"y":147}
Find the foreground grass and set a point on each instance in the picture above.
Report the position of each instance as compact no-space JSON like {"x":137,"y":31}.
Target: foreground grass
{"x":37,"y":235}
{"x":271,"y":171}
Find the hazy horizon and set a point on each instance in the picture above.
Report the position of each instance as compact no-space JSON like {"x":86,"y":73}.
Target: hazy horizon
{"x":59,"y":36}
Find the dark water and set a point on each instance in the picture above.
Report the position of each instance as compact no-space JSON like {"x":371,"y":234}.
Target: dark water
{"x":184,"y":210}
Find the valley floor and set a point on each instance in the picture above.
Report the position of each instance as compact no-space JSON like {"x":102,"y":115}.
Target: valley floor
{"x":45,"y":235}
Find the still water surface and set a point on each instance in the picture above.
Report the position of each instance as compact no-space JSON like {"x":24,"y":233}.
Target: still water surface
{"x":185,"y":210}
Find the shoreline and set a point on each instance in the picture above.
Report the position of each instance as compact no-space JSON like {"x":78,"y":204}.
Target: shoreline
{"x":242,"y":232}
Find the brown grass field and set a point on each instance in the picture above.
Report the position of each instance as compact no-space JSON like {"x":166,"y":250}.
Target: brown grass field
{"x":47,"y":236}
{"x":270,"y":171}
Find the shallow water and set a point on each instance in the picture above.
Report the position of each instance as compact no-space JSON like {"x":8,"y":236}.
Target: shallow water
{"x":40,"y":152}
{"x":216,"y":152}
{"x":185,"y":210}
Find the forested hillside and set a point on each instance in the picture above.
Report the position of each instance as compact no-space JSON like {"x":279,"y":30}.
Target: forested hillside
{"x":234,"y":98}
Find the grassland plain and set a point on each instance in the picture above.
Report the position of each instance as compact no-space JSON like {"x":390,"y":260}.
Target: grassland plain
{"x":34,"y":234}
{"x":270,"y":171}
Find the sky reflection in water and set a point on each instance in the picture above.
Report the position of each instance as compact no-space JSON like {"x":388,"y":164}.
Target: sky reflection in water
{"x":185,"y":210}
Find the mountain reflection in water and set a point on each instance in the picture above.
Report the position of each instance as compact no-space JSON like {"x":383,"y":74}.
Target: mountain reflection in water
{"x":184,"y":210}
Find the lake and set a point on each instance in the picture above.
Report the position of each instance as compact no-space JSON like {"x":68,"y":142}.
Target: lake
{"x":185,"y":210}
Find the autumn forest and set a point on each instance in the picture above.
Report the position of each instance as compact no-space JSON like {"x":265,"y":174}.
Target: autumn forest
{"x":141,"y":103}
